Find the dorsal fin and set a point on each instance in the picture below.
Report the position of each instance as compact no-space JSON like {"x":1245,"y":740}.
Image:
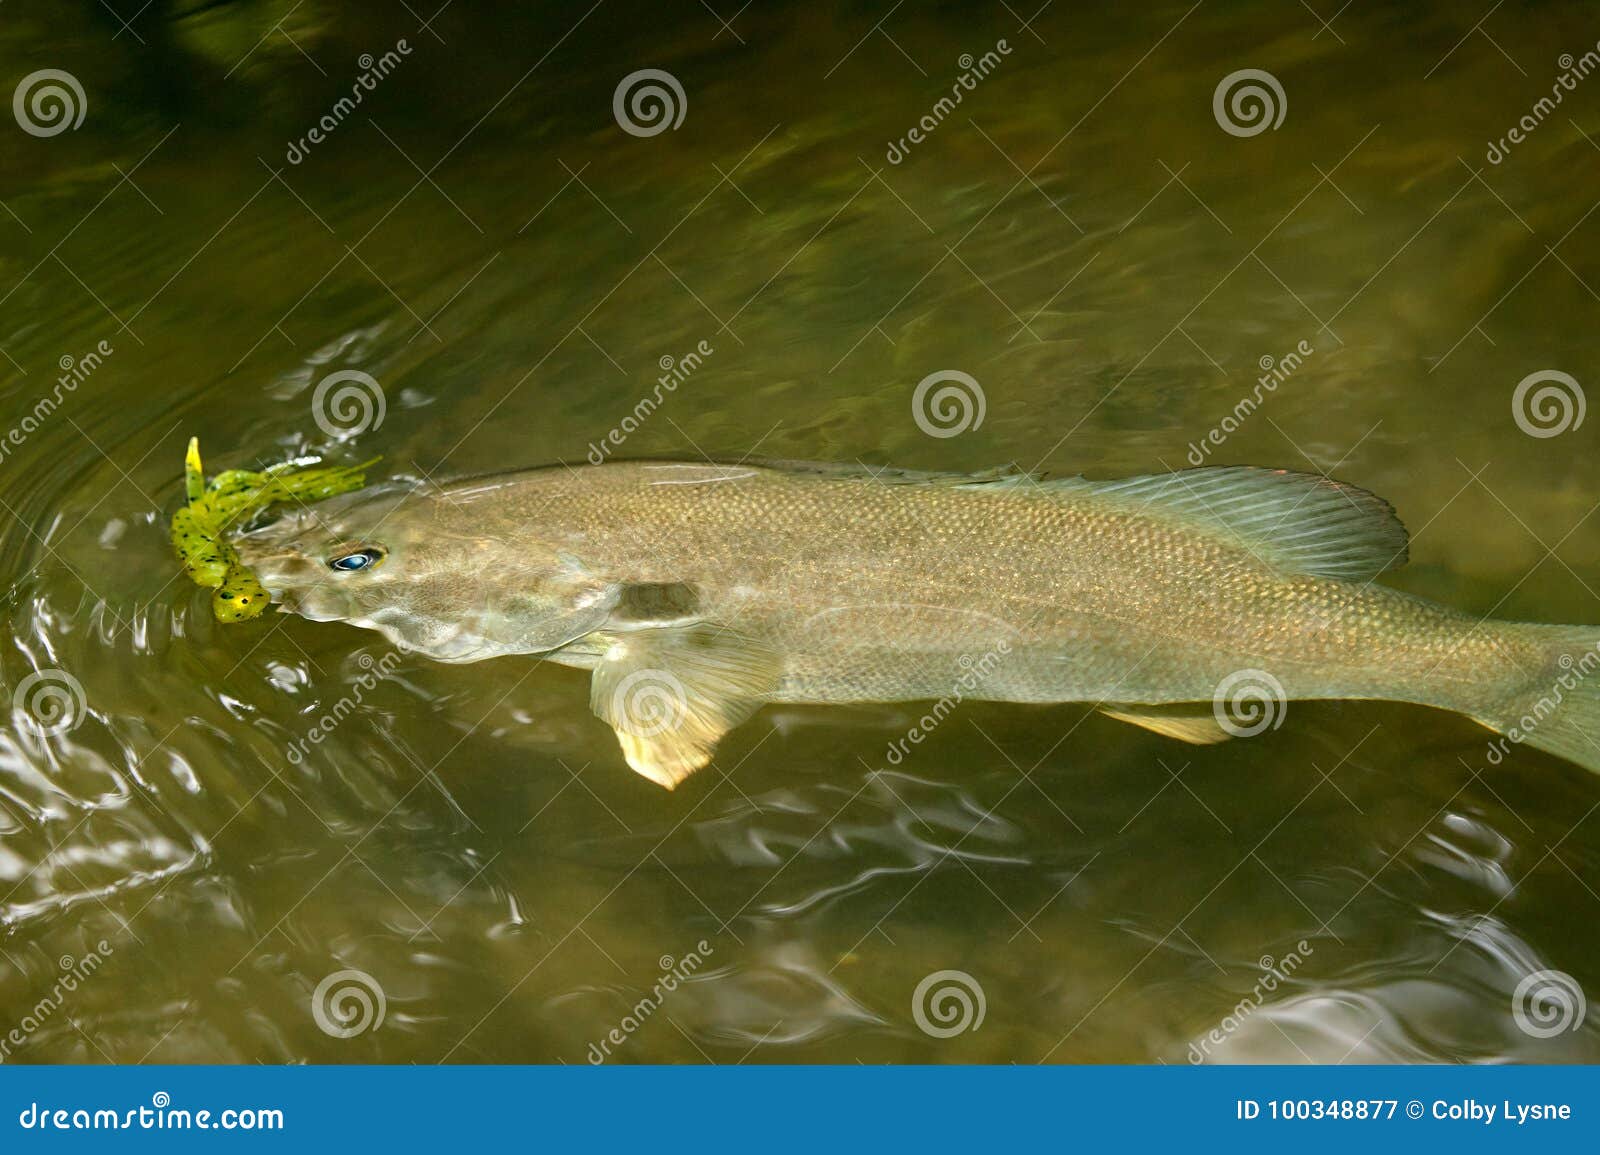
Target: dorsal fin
{"x":892,"y":475}
{"x":1296,"y":522}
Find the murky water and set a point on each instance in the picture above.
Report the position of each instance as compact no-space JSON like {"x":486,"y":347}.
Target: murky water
{"x":191,"y":850}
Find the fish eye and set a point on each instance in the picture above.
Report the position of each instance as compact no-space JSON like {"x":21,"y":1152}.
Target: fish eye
{"x":356,"y":560}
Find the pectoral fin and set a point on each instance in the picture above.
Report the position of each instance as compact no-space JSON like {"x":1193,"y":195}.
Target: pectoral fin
{"x":1186,"y":724}
{"x":671,"y":694}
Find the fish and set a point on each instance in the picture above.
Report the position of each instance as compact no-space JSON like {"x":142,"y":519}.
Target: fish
{"x":1193,"y":603}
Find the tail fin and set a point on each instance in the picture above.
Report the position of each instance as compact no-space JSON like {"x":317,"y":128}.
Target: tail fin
{"x":1559,"y":709}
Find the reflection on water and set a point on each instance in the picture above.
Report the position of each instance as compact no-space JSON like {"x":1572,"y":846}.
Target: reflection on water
{"x":1080,"y":235}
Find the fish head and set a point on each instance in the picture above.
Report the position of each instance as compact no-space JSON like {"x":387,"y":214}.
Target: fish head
{"x":417,"y":566}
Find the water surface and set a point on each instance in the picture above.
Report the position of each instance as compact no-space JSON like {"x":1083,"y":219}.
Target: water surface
{"x":1079,"y":234}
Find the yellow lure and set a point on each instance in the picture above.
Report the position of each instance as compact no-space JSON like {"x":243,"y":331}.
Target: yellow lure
{"x":198,"y":529}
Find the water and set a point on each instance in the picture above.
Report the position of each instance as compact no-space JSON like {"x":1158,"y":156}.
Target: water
{"x":1079,"y":234}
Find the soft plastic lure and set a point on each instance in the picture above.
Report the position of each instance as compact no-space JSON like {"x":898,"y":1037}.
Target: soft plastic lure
{"x":232,"y":497}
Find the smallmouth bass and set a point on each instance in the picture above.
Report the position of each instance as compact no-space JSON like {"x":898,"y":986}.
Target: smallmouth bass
{"x":697,"y":592}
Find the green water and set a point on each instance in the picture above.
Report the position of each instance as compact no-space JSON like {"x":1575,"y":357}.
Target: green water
{"x":480,"y":236}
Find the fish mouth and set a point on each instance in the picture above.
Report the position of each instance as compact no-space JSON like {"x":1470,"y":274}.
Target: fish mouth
{"x":311,"y":603}
{"x":305,"y":604}
{"x":295,"y":584}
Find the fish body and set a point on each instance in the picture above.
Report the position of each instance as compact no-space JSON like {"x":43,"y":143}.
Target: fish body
{"x":696,"y":592}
